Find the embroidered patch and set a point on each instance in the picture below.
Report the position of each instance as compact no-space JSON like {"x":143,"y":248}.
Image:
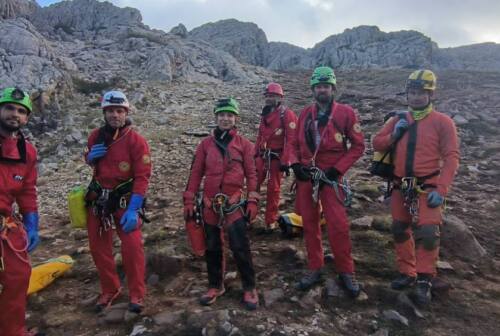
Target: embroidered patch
{"x":146,"y":159}
{"x":338,"y":137}
{"x":18,"y":177}
{"x":278,"y":131}
{"x":292,"y":125}
{"x":356,"y":127}
{"x":124,"y":166}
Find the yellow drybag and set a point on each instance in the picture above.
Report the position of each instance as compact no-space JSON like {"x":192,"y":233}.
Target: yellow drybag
{"x":77,"y":209}
{"x":44,"y":274}
{"x":291,"y":224}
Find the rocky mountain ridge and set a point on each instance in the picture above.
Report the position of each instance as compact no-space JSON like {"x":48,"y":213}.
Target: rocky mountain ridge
{"x":52,"y":47}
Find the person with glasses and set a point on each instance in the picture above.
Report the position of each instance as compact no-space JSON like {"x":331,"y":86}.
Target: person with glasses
{"x":18,"y":233}
{"x":425,"y":151}
{"x":276,"y":134}
{"x":329,"y":142}
{"x":121,"y":163}
{"x":224,"y":162}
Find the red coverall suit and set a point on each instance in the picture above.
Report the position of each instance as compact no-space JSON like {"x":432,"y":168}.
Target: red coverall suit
{"x":127,"y":157}
{"x":17,"y":184}
{"x":331,"y":153}
{"x":277,"y":133}
{"x":436,"y":150}
{"x":227,"y":166}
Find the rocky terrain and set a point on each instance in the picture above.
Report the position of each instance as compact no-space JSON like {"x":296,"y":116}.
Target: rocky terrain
{"x":172,"y":80}
{"x":172,"y":115}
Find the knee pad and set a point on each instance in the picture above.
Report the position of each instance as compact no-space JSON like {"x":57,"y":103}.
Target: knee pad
{"x":427,"y":236}
{"x":400,"y":231}
{"x":213,"y":239}
{"x":237,"y":234}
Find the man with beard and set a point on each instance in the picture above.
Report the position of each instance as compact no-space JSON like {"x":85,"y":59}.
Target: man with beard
{"x":276,"y":136}
{"x":225,"y":161}
{"x":323,"y":157}
{"x":425,"y":147}
{"x":17,"y":185}
{"x":121,"y":162}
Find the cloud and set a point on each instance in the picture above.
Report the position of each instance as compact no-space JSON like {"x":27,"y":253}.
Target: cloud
{"x":307,"y":22}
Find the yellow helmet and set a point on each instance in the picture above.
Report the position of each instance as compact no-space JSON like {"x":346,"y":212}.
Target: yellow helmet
{"x":421,"y":79}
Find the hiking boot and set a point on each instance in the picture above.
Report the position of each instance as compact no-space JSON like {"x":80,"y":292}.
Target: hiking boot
{"x":350,"y":284}
{"x":136,"y":305}
{"x":402,"y":281}
{"x":106,"y":299}
{"x":250,"y":299}
{"x":310,"y":279}
{"x":211,"y":296}
{"x":422,"y":294}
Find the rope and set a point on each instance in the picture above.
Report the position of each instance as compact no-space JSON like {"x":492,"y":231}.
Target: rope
{"x":220,"y":207}
{"x":4,"y":237}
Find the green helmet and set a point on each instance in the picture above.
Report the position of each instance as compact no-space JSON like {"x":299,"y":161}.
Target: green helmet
{"x":227,"y":105}
{"x":323,"y":74}
{"x":16,"y":95}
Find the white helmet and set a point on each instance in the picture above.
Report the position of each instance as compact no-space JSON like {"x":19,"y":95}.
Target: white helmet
{"x":114,"y":98}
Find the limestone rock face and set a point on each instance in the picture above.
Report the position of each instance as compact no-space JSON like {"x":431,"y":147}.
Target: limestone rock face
{"x":368,"y":47}
{"x":27,"y":59}
{"x":10,"y":9}
{"x":481,"y":57}
{"x":244,"y":40}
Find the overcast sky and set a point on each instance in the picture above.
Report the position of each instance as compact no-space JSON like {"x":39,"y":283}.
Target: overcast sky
{"x":307,"y":22}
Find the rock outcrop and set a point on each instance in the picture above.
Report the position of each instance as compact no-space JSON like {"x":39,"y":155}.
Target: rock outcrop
{"x":368,"y":47}
{"x":357,"y":48}
{"x":244,"y":40}
{"x":17,"y":8}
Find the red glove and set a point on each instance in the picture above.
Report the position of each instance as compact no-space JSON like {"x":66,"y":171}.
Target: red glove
{"x":188,"y":198}
{"x":188,"y":211}
{"x":252,"y":210}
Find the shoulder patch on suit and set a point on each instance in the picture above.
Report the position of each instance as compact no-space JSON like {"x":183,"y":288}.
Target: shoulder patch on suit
{"x":146,"y":159}
{"x":338,"y":137}
{"x":292,"y":125}
{"x":356,"y":127}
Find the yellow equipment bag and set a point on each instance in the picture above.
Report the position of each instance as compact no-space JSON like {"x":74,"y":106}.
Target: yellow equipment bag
{"x":382,"y":163}
{"x":44,"y":274}
{"x":77,"y":209}
{"x":291,"y":224}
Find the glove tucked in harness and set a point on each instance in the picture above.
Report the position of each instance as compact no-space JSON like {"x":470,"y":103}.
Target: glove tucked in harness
{"x":106,"y":202}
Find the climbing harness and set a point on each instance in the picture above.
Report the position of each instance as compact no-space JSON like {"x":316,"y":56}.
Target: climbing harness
{"x":221,"y":206}
{"x":318,"y":177}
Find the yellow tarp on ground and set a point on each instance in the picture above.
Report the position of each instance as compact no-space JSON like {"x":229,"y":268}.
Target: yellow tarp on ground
{"x":44,"y":274}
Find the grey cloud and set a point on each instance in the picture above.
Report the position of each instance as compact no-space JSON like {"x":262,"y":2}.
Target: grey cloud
{"x":307,"y":22}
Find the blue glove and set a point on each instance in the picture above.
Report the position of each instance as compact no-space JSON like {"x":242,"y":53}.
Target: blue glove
{"x":434,"y":199}
{"x":399,"y":129}
{"x":96,"y":152}
{"x":130,"y":219}
{"x":30,"y":221}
